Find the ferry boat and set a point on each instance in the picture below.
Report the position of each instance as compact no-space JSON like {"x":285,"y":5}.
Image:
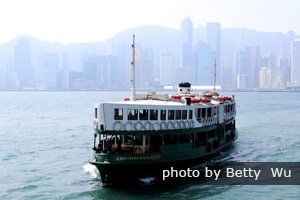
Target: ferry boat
{"x":142,"y":135}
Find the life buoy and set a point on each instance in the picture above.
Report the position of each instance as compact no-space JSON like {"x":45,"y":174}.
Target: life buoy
{"x":163,"y":125}
{"x":170,"y":125}
{"x":138,"y":126}
{"x":129,"y":126}
{"x":156,"y":126}
{"x":148,"y":126}
{"x":191,"y":124}
{"x":182,"y":124}
{"x":118,"y":126}
{"x":177,"y":125}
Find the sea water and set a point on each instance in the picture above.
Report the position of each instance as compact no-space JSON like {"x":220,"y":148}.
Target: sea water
{"x":46,"y":140}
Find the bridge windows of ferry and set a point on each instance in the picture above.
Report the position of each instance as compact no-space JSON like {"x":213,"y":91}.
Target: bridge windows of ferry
{"x":178,"y":114}
{"x":138,"y":126}
{"x":190,"y":114}
{"x":143,"y":114}
{"x":118,"y":114}
{"x":153,"y":114}
{"x":118,"y":126}
{"x":163,"y":114}
{"x":184,"y":114}
{"x":170,"y":114}
{"x":132,"y":114}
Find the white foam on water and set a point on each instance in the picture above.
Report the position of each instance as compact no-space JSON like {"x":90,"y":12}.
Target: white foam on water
{"x":92,"y":170}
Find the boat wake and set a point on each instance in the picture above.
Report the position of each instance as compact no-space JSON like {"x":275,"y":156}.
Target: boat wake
{"x":92,"y":170}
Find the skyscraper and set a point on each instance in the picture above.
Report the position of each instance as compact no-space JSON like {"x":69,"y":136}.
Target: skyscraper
{"x":295,"y":64}
{"x":213,"y":38}
{"x":187,"y":42}
{"x":203,"y":66}
{"x":23,"y":63}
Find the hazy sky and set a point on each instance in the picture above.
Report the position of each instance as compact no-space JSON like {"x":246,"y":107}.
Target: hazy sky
{"x":71,"y":21}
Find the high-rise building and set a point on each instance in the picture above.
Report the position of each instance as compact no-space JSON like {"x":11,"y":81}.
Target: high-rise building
{"x":187,"y":42}
{"x":166,"y":69}
{"x":295,"y":63}
{"x":244,"y":66}
{"x":204,"y":69}
{"x":47,"y":68}
{"x":23,"y":65}
{"x":213,"y":38}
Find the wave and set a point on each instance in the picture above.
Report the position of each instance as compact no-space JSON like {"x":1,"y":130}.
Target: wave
{"x":92,"y":170}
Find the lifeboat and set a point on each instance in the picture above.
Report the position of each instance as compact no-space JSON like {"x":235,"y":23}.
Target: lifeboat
{"x":224,"y":98}
{"x":127,"y":99}
{"x":210,"y":94}
{"x":200,"y":100}
{"x":179,"y":96}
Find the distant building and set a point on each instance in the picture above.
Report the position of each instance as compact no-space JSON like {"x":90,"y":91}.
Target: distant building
{"x":203,"y":65}
{"x":166,"y":69}
{"x":265,"y":75}
{"x":23,"y":66}
{"x":295,"y":63}
{"x":187,"y":49}
{"x":47,"y":70}
{"x":213,"y":38}
{"x":244,"y":66}
{"x":145,"y":68}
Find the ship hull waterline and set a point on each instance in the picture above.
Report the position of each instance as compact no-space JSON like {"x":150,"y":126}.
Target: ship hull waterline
{"x":112,"y":174}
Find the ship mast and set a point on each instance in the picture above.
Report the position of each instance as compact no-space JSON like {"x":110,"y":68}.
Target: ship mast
{"x":133,"y":70}
{"x":215,"y":74}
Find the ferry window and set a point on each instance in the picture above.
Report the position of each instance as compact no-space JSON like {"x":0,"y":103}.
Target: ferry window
{"x":215,"y":110}
{"x":208,"y":112}
{"x":199,"y":113}
{"x":118,"y":114}
{"x":163,"y":115}
{"x":138,"y":140}
{"x":185,"y":138}
{"x":184,"y":114}
{"x":132,"y":114}
{"x":96,"y":112}
{"x":144,"y":114}
{"x":178,"y":114}
{"x":203,"y":114}
{"x":167,"y":139}
{"x":231,"y":108}
{"x":190,"y":114}
{"x":153,"y":114}
{"x":211,"y":134}
{"x":128,"y":140}
{"x":170,"y":114}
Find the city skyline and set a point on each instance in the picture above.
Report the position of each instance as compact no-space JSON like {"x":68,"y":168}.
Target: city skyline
{"x":244,"y":59}
{"x":97,"y":20}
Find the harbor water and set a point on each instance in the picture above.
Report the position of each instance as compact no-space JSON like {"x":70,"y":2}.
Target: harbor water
{"x":46,"y":139}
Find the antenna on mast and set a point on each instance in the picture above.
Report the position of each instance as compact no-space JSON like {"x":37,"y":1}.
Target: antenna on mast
{"x":215,"y":74}
{"x":133,"y":70}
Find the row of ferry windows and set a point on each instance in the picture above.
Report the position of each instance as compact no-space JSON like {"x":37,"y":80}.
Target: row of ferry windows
{"x":144,"y":114}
